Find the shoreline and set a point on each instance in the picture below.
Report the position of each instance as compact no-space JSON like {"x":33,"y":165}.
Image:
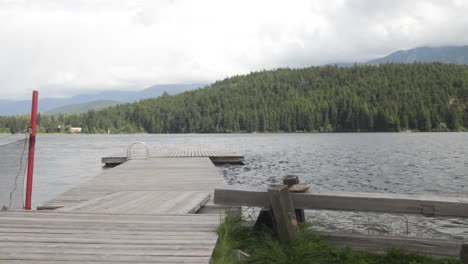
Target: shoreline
{"x":250,"y":133}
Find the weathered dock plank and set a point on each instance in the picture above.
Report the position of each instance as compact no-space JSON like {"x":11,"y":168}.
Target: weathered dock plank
{"x":90,"y":238}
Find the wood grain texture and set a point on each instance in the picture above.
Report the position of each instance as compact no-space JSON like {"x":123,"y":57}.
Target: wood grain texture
{"x":352,"y":201}
{"x":283,"y":212}
{"x":37,"y":237}
{"x":291,"y":181}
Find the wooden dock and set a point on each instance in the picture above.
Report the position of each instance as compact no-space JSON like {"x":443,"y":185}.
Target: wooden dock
{"x":139,"y":212}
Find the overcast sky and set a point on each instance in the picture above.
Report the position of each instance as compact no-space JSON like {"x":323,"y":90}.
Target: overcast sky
{"x":67,"y":47}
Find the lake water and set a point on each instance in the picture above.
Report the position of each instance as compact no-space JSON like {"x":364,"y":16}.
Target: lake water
{"x":407,"y":163}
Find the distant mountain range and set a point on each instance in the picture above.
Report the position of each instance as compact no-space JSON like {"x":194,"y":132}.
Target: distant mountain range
{"x":85,"y":102}
{"x":84,"y":107}
{"x":445,"y":54}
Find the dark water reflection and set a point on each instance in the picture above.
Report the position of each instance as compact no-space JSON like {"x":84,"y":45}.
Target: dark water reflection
{"x":409,"y":163}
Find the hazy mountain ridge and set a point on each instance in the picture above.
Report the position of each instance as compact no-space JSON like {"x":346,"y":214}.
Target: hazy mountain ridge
{"x":80,"y":108}
{"x":444,"y":54}
{"x":447,"y":54}
{"x":12,"y":107}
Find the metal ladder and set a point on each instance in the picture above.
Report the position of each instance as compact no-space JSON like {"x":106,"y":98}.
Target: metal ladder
{"x":129,"y":150}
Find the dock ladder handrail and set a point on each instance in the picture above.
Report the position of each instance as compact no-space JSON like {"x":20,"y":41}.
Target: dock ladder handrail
{"x":129,"y":149}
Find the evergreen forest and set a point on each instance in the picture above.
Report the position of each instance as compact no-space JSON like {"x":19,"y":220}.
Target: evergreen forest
{"x":361,"y":98}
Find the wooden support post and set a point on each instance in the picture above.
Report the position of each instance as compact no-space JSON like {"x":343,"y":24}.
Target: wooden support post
{"x":266,"y":217}
{"x":283,"y":211}
{"x":266,"y":220}
{"x":464,"y":253}
{"x":290,"y":180}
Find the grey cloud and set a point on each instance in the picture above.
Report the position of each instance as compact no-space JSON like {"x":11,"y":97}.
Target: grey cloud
{"x":66,"y":47}
{"x":366,"y":29}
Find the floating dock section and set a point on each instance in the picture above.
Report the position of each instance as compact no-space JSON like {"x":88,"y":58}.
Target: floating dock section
{"x":217,"y":157}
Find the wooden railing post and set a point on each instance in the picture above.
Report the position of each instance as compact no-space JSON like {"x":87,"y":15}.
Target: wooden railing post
{"x":283,"y":212}
{"x":290,"y":180}
{"x":464,"y":253}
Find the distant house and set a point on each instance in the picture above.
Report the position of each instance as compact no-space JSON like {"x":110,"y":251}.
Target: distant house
{"x":75,"y":129}
{"x":53,"y":129}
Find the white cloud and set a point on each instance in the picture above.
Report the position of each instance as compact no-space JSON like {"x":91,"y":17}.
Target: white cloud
{"x":66,"y":47}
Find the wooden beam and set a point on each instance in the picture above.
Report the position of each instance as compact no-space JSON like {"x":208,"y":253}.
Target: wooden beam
{"x":430,"y":206}
{"x":241,"y":197}
{"x":430,"y":247}
{"x":290,"y":181}
{"x":353,"y":201}
{"x":283,"y":212}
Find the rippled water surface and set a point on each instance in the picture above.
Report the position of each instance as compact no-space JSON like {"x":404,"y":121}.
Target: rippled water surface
{"x":409,"y":163}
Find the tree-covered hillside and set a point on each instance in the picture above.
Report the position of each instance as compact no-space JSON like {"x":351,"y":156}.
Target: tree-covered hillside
{"x":390,"y":97}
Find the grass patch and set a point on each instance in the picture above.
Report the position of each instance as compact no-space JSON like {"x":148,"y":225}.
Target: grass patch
{"x":308,"y":248}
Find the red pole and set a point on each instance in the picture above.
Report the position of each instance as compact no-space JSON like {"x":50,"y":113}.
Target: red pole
{"x":32,"y":143}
